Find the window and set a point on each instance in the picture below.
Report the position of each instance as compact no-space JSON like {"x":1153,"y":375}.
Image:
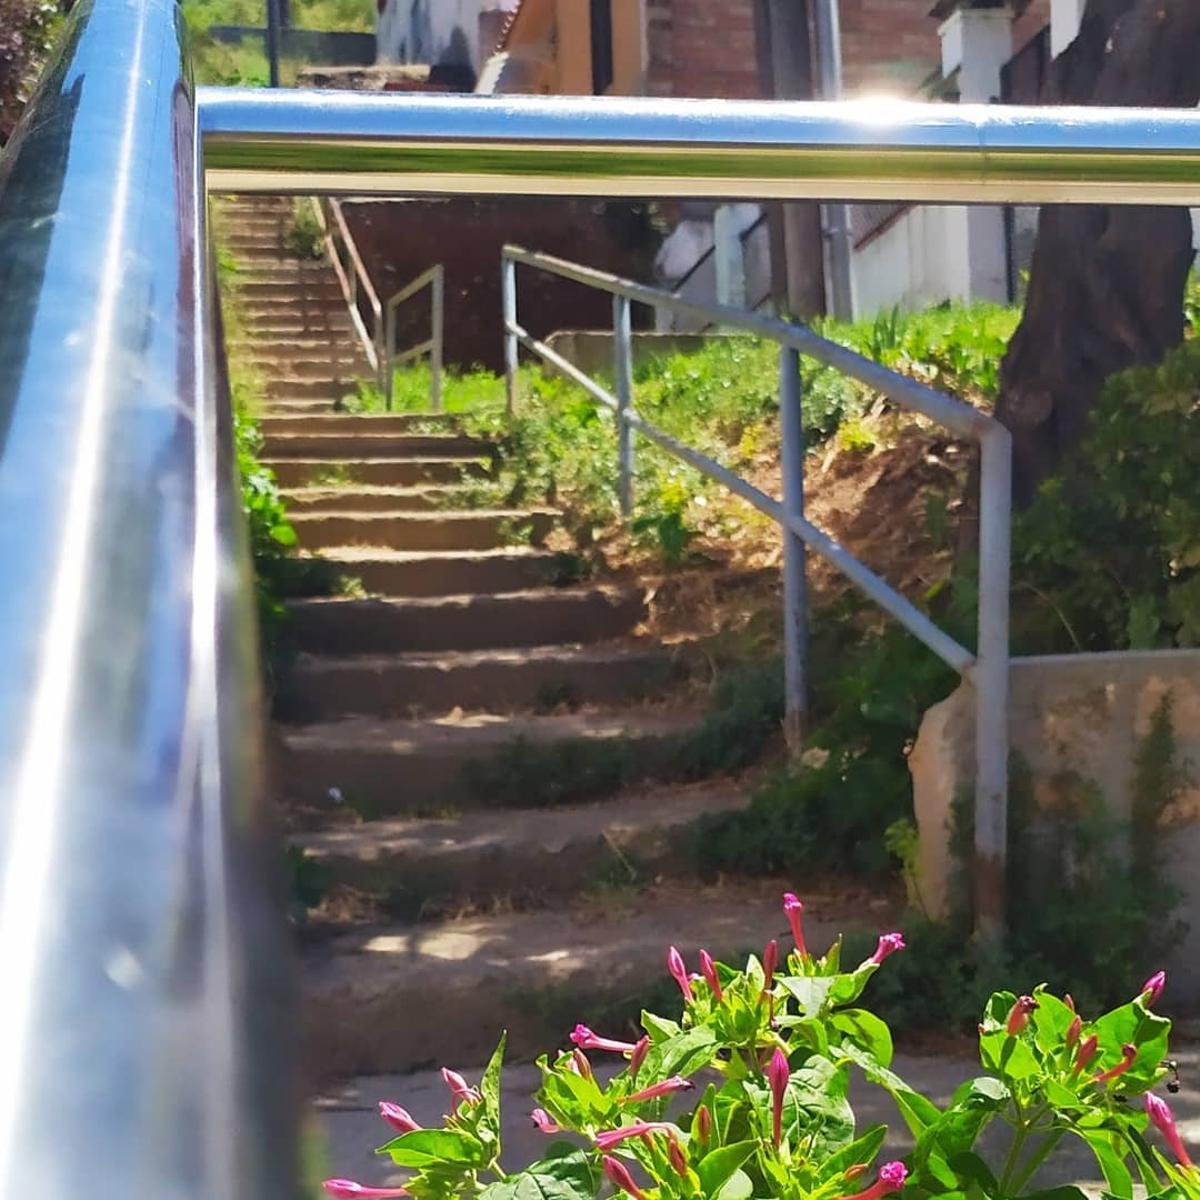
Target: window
{"x":602,"y":46}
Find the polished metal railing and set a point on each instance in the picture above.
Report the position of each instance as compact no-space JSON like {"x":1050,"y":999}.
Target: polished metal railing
{"x":378,"y":339}
{"x":987,"y":667}
{"x":144,"y":999}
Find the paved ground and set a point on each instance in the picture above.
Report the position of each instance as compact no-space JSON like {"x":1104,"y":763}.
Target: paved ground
{"x":353,"y":1130}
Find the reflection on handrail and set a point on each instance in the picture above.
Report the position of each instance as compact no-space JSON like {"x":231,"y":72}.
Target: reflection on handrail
{"x":143,"y":998}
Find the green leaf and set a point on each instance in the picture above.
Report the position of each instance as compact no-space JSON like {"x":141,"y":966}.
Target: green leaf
{"x":860,"y":1152}
{"x":435,"y":1147}
{"x":867,"y":1030}
{"x":284,"y":534}
{"x":715,"y":1168}
{"x":659,"y":1028}
{"x":969,"y":1166}
{"x":565,"y":1177}
{"x":684,"y":1054}
{"x":739,"y":1186}
{"x":918,"y":1112}
{"x":811,"y":992}
{"x":1116,"y":1174}
{"x":1065,"y":1192}
{"x":489,"y":1086}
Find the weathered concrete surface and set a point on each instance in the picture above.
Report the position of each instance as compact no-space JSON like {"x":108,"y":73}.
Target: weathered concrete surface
{"x":1075,"y":720}
{"x":353,"y":1130}
{"x":591,"y":350}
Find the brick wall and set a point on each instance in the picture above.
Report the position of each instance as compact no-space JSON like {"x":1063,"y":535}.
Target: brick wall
{"x":707,"y":47}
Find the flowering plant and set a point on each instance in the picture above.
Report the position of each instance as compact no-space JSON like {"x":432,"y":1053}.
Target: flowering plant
{"x":764,"y":1056}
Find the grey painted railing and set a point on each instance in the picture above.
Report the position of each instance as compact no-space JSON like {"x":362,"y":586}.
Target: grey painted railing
{"x":144,"y":1026}
{"x":987,"y":667}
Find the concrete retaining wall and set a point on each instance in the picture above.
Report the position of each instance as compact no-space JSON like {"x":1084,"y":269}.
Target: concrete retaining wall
{"x":1074,"y":716}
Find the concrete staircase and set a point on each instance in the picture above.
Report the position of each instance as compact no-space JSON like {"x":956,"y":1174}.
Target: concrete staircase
{"x":469,"y":899}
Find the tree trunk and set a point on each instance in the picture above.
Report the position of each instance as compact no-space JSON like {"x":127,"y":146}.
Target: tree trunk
{"x":1107,"y":283}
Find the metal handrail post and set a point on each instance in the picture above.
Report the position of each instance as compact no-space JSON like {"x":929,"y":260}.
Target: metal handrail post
{"x":438,"y":322}
{"x":623,"y":371}
{"x":991,"y":683}
{"x":795,"y":581}
{"x":389,"y":338}
{"x":508,"y":296}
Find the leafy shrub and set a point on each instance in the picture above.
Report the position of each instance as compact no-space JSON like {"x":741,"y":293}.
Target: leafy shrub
{"x":304,"y":237}
{"x":779,"y":1042}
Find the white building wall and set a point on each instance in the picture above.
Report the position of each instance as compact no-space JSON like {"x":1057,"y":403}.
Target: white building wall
{"x":433,"y":31}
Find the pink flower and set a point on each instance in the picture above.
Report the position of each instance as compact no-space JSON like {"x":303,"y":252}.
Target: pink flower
{"x":678,"y":972}
{"x":770,"y":960}
{"x":459,"y":1088}
{"x":1068,"y":1001}
{"x":704,"y":1125}
{"x":1073,"y":1032}
{"x":793,"y":906}
{"x":1018,"y":1015}
{"x":1086,"y":1052}
{"x":347,"y":1189}
{"x":778,"y":1076}
{"x":398,"y":1118}
{"x":1128,"y":1057}
{"x":678,"y":1158}
{"x":1159,"y":1111}
{"x":889,"y":943}
{"x":618,"y":1174}
{"x":709,"y":970}
{"x":891,"y":1179}
{"x":582,"y":1066}
{"x":638,"y":1055}
{"x":609,"y":1138}
{"x":676,"y":1083}
{"x":544,"y":1121}
{"x":585,"y":1039}
{"x":1152,"y":989}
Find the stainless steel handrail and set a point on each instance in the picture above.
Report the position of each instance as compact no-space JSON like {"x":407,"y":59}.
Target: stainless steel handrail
{"x":142,"y":1003}
{"x":987,"y":668}
{"x":318,"y":141}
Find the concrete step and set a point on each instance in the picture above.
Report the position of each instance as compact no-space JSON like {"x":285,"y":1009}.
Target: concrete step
{"x":332,"y":388}
{"x":338,"y":447}
{"x":334,"y":367}
{"x":319,"y":688}
{"x":283,"y":269}
{"x":269,"y":348}
{"x":405,"y":996}
{"x":542,"y":617}
{"x":307,"y":471}
{"x":357,"y":423}
{"x":359,"y":499}
{"x":401,"y":530}
{"x":392,"y":767}
{"x":418,"y":574}
{"x":415,"y":868}
{"x":289,"y":288}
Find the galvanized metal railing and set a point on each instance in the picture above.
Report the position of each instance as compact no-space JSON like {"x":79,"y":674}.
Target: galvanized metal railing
{"x":987,"y":668}
{"x":379,"y":337}
{"x":144,"y":1004}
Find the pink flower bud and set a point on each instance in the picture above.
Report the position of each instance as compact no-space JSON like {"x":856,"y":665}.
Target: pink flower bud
{"x":889,"y":943}
{"x":1086,"y":1052}
{"x":459,"y":1088}
{"x":1152,"y":989}
{"x":709,"y":970}
{"x":347,"y":1189}
{"x":891,"y":1179}
{"x":398,"y":1118}
{"x":704,"y":1125}
{"x":678,"y":972}
{"x":544,"y":1121}
{"x":1018,"y":1015}
{"x":581,"y":1064}
{"x":637,"y":1055}
{"x":1128,"y":1057}
{"x":609,"y":1138}
{"x":585,"y":1039}
{"x":793,"y":906}
{"x":619,"y":1176}
{"x":1073,"y":1032}
{"x":1159,"y":1111}
{"x":778,"y":1077}
{"x":678,"y":1158}
{"x":1068,"y":1001}
{"x":676,"y":1083}
{"x":770,"y":960}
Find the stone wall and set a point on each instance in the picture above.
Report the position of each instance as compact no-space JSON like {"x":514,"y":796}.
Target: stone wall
{"x":1074,"y":717}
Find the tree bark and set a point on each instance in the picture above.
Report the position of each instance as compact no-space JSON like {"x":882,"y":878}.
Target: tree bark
{"x":1106,"y":285}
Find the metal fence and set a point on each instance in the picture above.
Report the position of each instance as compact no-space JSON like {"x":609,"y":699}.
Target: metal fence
{"x":144,"y":1005}
{"x":987,"y":668}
